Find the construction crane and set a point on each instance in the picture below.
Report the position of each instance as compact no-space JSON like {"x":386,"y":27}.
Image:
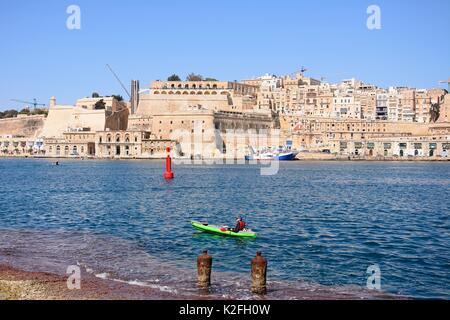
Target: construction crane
{"x":34,"y":103}
{"x":301,"y":71}
{"x":117,"y":78}
{"x":447,"y":82}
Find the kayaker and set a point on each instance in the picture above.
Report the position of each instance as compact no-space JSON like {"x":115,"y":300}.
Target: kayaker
{"x":240,"y":225}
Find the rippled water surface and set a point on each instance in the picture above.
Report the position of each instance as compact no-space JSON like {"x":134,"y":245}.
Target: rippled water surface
{"x":320,"y":224}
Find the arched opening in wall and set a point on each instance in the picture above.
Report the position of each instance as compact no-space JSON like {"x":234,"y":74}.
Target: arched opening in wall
{"x":178,"y":92}
{"x":156,"y":92}
{"x":371,"y":153}
{"x":199,"y":92}
{"x":127,"y":138}
{"x":402,"y":153}
{"x":214,"y":86}
{"x":180,"y":86}
{"x":185,"y":92}
{"x":207,"y":93}
{"x":118,"y":138}
{"x":66,"y":150}
{"x":224,"y":93}
{"x":186,"y":86}
{"x":164,"y":92}
{"x":192,"y":92}
{"x":170,"y":92}
{"x":74,"y":150}
{"x":416,"y":153}
{"x":194,"y":86}
{"x":58,"y":150}
{"x":214,"y":93}
{"x":172,"y":86}
{"x":117,"y":150}
{"x":208,"y":86}
{"x":431,"y":153}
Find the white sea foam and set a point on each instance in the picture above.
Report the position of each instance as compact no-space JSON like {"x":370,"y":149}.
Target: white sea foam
{"x":148,"y":285}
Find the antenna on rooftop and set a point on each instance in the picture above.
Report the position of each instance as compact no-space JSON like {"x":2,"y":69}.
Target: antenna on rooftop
{"x":117,"y":78}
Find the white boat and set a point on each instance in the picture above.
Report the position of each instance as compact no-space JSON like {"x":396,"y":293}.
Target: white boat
{"x":281,"y":154}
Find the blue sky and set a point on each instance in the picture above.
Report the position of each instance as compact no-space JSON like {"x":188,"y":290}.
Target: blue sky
{"x":229,"y":40}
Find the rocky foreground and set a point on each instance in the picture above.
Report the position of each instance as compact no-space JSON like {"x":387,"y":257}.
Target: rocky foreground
{"x":16,"y":284}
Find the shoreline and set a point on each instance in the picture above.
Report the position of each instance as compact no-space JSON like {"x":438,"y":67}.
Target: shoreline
{"x":303,"y":159}
{"x":17,"y":284}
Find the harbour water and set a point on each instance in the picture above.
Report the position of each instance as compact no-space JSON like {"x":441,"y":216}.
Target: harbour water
{"x":320,"y":224}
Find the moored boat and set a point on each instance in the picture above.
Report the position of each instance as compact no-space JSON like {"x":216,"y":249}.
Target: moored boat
{"x":281,"y":155}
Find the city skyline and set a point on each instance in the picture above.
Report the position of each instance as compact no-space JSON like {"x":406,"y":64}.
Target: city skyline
{"x":150,"y":149}
{"x":221,"y":41}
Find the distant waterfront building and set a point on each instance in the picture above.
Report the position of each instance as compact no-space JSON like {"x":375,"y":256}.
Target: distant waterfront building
{"x":395,"y":147}
{"x":345,"y":107}
{"x":382,"y":106}
{"x":21,"y":146}
{"x":310,"y":114}
{"x":97,"y":114}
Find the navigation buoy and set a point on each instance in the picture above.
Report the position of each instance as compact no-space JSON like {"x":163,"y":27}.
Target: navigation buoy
{"x":168,"y":175}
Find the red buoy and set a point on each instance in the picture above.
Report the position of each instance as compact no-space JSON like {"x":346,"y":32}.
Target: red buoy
{"x":168,"y":175}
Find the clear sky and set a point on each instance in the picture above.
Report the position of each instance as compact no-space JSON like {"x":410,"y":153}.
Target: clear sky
{"x":228,"y":40}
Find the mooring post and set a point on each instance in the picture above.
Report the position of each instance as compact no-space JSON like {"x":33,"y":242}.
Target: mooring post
{"x":259,"y":273}
{"x":204,"y":266}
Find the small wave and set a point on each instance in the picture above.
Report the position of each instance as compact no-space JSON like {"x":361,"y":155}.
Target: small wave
{"x":102,"y":275}
{"x":148,"y":285}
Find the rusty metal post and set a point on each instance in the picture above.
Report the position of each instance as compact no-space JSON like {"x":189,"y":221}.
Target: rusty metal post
{"x":259,"y":272}
{"x":204,"y":266}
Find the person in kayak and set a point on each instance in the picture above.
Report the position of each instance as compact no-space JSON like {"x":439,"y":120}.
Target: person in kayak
{"x":240,"y":225}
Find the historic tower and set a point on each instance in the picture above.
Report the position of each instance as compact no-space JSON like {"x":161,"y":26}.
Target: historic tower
{"x":134,"y":95}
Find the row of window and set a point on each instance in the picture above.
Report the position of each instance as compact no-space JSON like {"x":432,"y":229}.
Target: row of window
{"x":66,"y":150}
{"x":186,"y":86}
{"x":191,"y":93}
{"x":117,"y":138}
{"x":343,"y":125}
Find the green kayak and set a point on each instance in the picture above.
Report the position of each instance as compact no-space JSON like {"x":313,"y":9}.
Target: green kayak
{"x":222,"y":231}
